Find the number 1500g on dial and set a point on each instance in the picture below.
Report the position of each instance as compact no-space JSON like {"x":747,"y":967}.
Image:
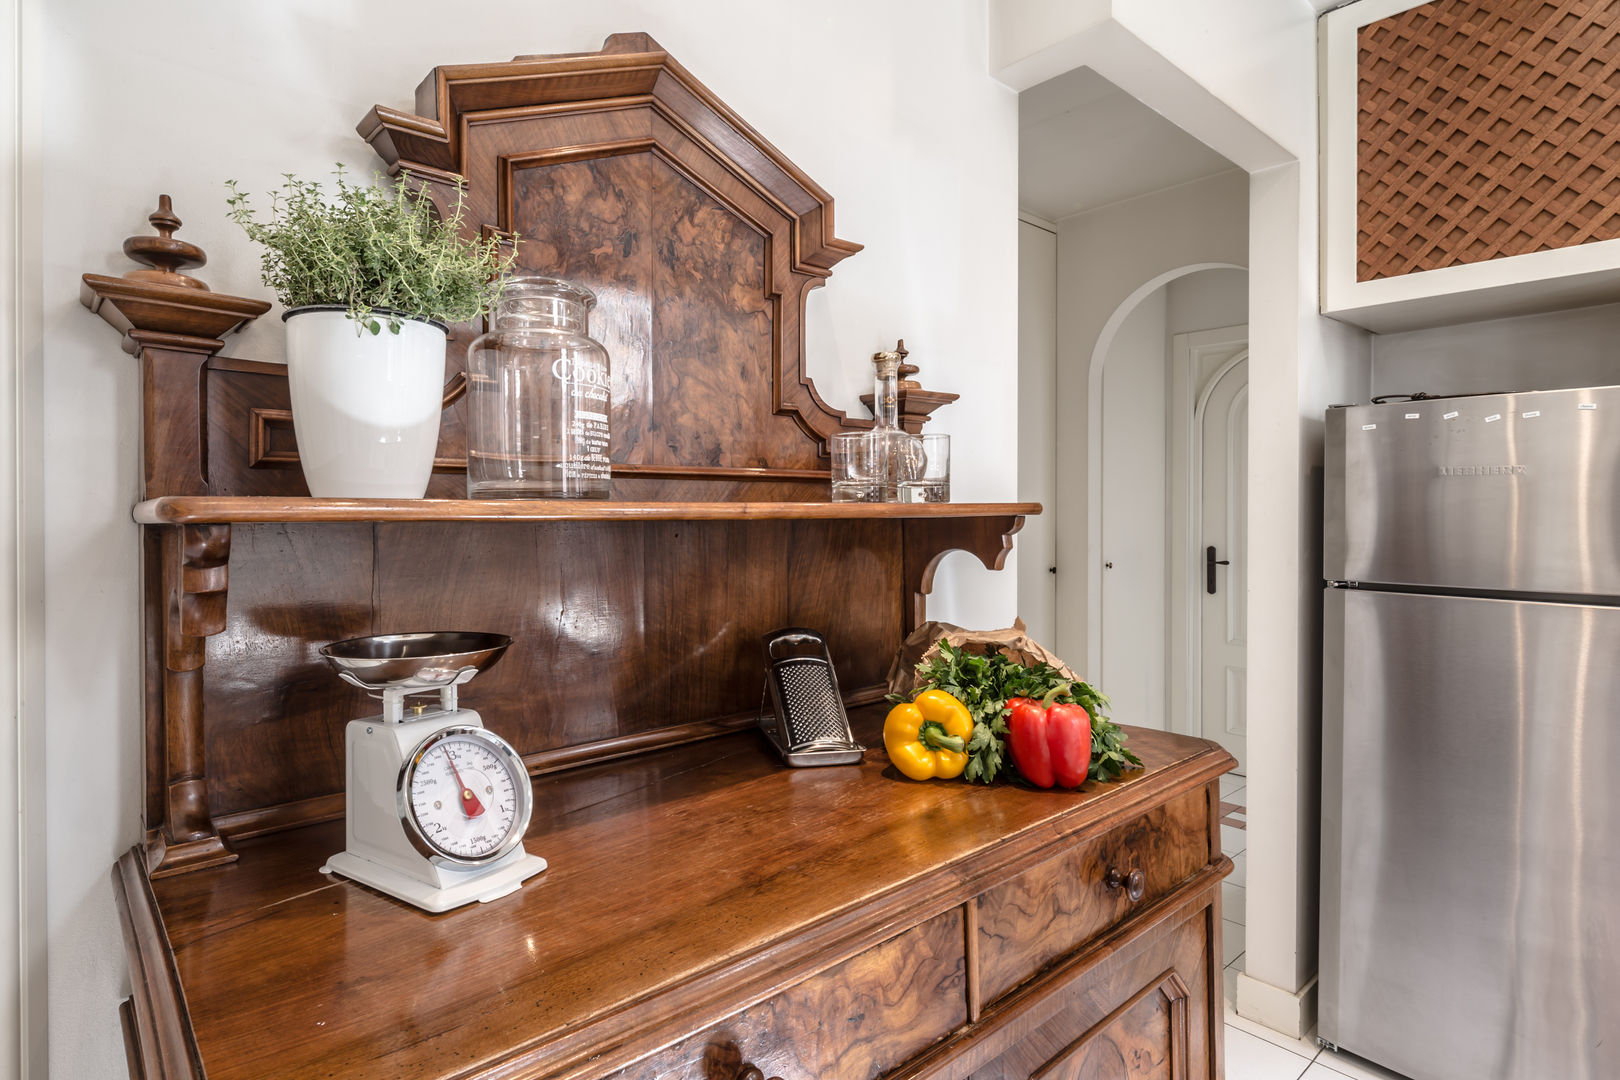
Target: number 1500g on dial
{"x":466,"y":796}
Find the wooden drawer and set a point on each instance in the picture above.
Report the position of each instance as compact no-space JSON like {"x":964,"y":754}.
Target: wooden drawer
{"x":1057,"y":906}
{"x":858,"y":1019}
{"x":1142,"y":1012}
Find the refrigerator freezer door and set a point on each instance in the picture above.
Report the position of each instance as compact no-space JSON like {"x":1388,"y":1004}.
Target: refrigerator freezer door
{"x":1471,"y":836}
{"x":1506,"y":492}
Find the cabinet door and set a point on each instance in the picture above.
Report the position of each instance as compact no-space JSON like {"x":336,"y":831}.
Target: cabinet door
{"x":1468,"y":153}
{"x":1143,"y":1013}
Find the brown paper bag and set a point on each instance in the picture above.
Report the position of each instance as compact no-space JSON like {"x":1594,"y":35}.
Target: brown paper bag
{"x":923,"y":645}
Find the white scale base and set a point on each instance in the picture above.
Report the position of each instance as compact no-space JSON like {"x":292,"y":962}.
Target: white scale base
{"x":484,"y":884}
{"x":378,"y":851}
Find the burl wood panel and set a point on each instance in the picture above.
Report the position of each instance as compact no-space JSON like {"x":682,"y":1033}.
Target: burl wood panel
{"x":1486,"y":129}
{"x":859,"y":1019}
{"x":591,"y":222}
{"x":1144,"y":1037}
{"x":1141,"y":1014}
{"x":619,"y":629}
{"x":684,"y":311}
{"x":1056,"y":907}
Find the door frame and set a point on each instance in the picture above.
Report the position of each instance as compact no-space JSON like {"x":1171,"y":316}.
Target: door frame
{"x":24,"y":954}
{"x":1189,"y":395}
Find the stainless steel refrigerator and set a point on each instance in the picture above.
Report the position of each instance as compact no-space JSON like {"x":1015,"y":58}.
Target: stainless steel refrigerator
{"x":1471,"y":736}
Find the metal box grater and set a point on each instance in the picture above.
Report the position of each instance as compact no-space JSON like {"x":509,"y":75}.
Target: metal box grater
{"x":809,"y":725}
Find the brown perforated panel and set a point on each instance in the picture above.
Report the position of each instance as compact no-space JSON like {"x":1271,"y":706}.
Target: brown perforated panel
{"x":1486,"y":128}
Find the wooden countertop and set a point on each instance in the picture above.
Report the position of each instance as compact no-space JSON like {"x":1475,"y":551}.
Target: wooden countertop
{"x":692,"y":881}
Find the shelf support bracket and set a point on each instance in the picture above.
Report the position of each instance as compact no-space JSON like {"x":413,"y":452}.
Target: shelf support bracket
{"x":925,"y":541}
{"x":194,"y":575}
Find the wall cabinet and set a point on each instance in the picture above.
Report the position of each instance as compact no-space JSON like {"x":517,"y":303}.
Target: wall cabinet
{"x":1469,"y":163}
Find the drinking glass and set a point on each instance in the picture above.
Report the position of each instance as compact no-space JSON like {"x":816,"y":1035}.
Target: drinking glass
{"x":934,"y":483}
{"x":856,"y":468}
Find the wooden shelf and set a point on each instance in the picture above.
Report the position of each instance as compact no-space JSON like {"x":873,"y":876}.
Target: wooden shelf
{"x":251,"y":509}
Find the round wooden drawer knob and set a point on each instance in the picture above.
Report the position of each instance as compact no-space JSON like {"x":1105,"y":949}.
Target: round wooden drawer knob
{"x":751,"y":1072}
{"x":1134,"y":883}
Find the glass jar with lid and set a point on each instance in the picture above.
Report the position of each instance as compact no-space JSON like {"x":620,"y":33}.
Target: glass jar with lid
{"x":538,"y":397}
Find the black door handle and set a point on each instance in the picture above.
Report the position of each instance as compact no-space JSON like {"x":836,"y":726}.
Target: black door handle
{"x":1210,"y":563}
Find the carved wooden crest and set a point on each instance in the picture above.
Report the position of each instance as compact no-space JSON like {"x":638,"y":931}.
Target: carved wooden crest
{"x":622,"y":172}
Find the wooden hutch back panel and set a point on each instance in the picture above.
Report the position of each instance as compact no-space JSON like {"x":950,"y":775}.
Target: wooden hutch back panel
{"x":619,"y":630}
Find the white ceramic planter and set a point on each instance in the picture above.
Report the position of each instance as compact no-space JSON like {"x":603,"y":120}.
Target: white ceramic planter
{"x":365,"y":406}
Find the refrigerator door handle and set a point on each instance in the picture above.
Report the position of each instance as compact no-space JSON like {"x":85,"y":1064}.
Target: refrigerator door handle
{"x":1210,"y":563}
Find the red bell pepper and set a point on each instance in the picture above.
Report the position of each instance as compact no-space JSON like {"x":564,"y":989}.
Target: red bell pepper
{"x":1051,"y":744}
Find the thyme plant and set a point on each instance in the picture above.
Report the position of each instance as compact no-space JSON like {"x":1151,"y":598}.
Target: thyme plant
{"x":371,"y":249}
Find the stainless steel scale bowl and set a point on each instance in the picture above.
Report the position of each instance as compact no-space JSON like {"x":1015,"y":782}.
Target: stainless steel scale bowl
{"x":413,"y":662}
{"x":401,"y":664}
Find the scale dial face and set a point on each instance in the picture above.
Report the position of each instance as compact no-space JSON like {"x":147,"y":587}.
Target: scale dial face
{"x":465,"y":795}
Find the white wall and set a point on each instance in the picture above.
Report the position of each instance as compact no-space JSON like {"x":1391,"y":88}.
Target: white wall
{"x":1208,"y":300}
{"x":888,"y":106}
{"x":1037,"y":427}
{"x":1531,"y":352}
{"x":1106,"y":257}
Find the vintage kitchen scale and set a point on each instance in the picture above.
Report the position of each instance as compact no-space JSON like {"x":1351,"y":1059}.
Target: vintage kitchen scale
{"x":436,"y":804}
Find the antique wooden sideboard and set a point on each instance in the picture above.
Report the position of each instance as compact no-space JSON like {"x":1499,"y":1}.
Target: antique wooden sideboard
{"x":708,"y":913}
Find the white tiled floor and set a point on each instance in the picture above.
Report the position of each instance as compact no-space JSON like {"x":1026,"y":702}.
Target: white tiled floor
{"x":1254,"y":1052}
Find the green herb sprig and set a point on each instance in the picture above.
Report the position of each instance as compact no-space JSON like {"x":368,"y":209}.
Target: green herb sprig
{"x":370,"y":248}
{"x":985,"y":684}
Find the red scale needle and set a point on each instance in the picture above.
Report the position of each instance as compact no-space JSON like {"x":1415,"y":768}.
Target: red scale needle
{"x":469,"y":802}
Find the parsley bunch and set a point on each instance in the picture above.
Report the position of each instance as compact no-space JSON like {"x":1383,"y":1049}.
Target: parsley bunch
{"x":985,"y":683}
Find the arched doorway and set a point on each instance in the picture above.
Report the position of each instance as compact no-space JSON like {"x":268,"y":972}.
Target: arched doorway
{"x":1138,"y":518}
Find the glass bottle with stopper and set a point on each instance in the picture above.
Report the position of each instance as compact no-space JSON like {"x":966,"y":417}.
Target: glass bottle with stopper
{"x":896,"y":453}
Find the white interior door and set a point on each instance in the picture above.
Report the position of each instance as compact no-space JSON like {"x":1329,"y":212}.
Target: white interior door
{"x":1132,"y":646}
{"x":1223,"y":525}
{"x":1037,"y":431}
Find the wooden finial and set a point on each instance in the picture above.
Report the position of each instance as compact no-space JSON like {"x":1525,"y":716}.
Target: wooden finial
{"x":906,"y":370}
{"x":163,"y":253}
{"x":915,"y":402}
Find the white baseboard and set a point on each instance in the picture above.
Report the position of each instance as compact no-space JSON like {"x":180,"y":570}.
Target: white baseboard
{"x":1292,"y":1012}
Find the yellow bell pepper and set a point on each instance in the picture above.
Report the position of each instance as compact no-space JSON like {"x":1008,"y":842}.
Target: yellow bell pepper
{"x":928,"y":737}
